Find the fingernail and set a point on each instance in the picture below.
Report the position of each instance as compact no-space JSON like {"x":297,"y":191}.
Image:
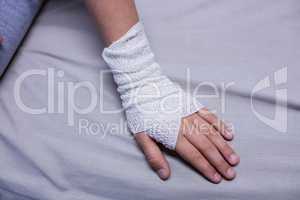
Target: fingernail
{"x":163,"y":173}
{"x":229,"y":134}
{"x":233,"y":159}
{"x":217,"y":177}
{"x":230,"y":173}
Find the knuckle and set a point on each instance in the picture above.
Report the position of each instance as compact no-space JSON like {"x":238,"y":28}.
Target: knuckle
{"x":220,"y":161}
{"x":222,"y":145}
{"x":223,"y":167}
{"x":212,"y":118}
{"x":153,"y":160}
{"x":204,"y":129}
{"x":212,"y":133}
{"x":226,"y":168}
{"x":196,"y":157}
{"x":208,"y":148}
{"x":222,"y":125}
{"x":206,"y":167}
{"x":226,"y":149}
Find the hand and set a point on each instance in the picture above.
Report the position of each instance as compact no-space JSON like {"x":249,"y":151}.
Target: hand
{"x":201,"y":143}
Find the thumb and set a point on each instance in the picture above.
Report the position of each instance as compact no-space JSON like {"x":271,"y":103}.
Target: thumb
{"x":154,"y":156}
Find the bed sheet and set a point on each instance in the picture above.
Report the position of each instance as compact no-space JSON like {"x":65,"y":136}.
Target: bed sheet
{"x":93,"y":156}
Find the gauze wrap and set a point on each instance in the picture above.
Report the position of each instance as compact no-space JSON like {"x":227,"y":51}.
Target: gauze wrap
{"x":152,"y":102}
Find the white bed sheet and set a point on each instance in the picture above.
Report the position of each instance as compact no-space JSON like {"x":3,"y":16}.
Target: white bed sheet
{"x":42,"y":157}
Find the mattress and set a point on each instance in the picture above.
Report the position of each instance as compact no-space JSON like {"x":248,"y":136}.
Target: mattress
{"x":242,"y":57}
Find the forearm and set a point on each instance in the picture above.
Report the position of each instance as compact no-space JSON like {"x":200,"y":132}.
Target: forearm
{"x":136,"y":72}
{"x":113,"y":17}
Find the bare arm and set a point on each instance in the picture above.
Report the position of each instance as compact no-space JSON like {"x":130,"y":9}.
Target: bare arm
{"x":113,"y":17}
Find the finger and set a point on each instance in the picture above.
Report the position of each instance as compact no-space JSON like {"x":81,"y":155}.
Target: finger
{"x":153,"y":155}
{"x":209,"y":150}
{"x":217,"y":123}
{"x":223,"y":147}
{"x":191,"y":155}
{"x":215,"y":137}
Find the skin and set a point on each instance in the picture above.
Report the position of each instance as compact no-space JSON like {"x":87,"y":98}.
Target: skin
{"x":1,"y":39}
{"x":203,"y":138}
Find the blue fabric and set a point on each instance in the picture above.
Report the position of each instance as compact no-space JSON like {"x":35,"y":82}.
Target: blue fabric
{"x":15,"y":18}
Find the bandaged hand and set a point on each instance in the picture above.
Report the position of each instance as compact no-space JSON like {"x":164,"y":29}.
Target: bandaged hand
{"x":159,"y":109}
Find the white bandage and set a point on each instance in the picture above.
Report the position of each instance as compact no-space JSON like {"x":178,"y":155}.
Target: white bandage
{"x":152,"y":102}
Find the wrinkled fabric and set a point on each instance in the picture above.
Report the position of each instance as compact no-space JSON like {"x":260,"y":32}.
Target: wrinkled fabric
{"x":43,"y":157}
